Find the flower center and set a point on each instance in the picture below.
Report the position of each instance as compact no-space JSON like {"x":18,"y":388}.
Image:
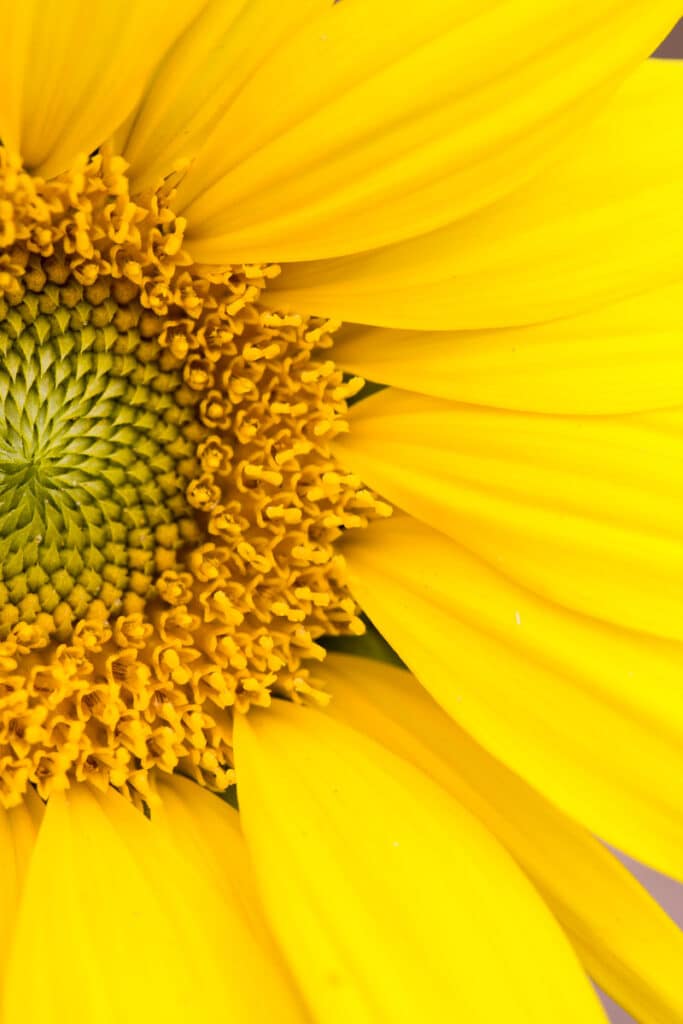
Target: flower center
{"x":169,"y":503}
{"x":97,"y":448}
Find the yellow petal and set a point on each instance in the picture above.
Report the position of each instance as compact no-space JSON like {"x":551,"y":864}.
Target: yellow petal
{"x":583,"y":510}
{"x":73,"y":70}
{"x":391,"y":902}
{"x":604,"y":223}
{"x":623,"y":357}
{"x":18,"y":831}
{"x":589,"y":715}
{"x":121,"y":926}
{"x":205,"y":832}
{"x":629,"y":945}
{"x":200,"y":79}
{"x":376,"y":121}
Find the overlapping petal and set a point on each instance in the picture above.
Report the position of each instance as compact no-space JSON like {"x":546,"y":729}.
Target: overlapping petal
{"x":322,"y":129}
{"x":604,"y":223}
{"x":583,"y":510}
{"x":589,"y":714}
{"x":18,"y":831}
{"x":116,"y":924}
{"x":206,"y":833}
{"x":625,"y":940}
{"x":72,"y":71}
{"x":623,"y":357}
{"x":392,"y":903}
{"x":202,"y":76}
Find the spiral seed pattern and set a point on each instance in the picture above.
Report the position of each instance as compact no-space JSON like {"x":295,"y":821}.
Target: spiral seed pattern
{"x":97,"y":448}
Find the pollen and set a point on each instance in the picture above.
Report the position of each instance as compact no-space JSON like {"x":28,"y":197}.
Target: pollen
{"x":169,"y":504}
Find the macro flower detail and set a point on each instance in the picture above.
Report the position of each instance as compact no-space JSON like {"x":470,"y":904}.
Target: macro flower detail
{"x":170,"y":503}
{"x":322,"y":320}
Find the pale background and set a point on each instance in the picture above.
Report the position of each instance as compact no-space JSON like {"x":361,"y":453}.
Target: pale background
{"x":669,"y":893}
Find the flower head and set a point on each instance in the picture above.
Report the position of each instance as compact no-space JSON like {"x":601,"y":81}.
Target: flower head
{"x":216,"y":222}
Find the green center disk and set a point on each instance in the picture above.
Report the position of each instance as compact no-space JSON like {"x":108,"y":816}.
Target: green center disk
{"x":97,"y":447}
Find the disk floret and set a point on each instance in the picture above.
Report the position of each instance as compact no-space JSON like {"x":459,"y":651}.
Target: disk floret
{"x":97,"y":448}
{"x":169,"y":503}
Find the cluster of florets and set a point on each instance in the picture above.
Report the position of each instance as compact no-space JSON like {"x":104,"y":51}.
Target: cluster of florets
{"x":250,"y":579}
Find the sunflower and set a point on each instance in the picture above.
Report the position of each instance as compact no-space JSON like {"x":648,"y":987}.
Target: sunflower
{"x":218,"y":219}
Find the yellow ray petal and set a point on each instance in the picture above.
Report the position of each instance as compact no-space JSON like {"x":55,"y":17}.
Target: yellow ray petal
{"x":201,"y":77}
{"x":602,"y":224}
{"x":73,"y":70}
{"x":378,"y":121}
{"x":391,"y":902}
{"x":122,"y":927}
{"x":206,"y":833}
{"x":590,"y":715}
{"x":630,"y":946}
{"x":583,"y":510}
{"x":18,"y":831}
{"x":623,"y":357}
